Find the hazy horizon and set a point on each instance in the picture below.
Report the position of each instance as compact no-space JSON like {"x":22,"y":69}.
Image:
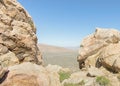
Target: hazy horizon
{"x":66,"y":22}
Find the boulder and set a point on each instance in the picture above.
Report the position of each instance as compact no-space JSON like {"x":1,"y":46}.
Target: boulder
{"x":79,"y":79}
{"x":29,"y":74}
{"x":17,"y":34}
{"x":94,"y":72}
{"x":101,"y":48}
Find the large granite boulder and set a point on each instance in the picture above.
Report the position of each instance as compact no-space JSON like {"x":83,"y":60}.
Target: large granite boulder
{"x":29,"y":74}
{"x":18,"y":41}
{"x":101,"y":48}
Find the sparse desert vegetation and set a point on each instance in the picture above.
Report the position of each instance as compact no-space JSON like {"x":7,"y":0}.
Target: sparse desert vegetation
{"x":64,"y":75}
{"x":82,"y":83}
{"x":103,"y":81}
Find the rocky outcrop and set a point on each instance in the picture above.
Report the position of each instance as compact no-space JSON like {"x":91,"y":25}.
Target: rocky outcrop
{"x":29,"y":74}
{"x":18,"y":41}
{"x":79,"y":79}
{"x":19,"y":54}
{"x":101,"y":48}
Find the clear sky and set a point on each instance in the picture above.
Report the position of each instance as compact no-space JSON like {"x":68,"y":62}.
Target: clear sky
{"x":67,"y":22}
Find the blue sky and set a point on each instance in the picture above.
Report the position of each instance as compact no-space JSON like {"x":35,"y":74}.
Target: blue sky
{"x":67,"y":22}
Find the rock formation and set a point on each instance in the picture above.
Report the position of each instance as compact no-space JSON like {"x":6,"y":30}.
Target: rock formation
{"x":101,"y":49}
{"x":98,"y":58}
{"x":20,"y":57}
{"x":29,"y":74}
{"x":18,"y":41}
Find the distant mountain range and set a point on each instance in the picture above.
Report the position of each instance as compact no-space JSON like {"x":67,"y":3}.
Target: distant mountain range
{"x":73,"y":48}
{"x":55,"y":49}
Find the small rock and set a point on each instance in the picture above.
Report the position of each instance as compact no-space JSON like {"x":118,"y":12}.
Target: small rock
{"x":93,"y":72}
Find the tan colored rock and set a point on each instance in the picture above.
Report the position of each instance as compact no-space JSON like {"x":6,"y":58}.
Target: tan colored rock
{"x":110,"y":57}
{"x":29,"y":74}
{"x":53,"y":68}
{"x":8,"y":59}
{"x":26,"y":74}
{"x":57,"y":68}
{"x":102,"y":48}
{"x":54,"y":78}
{"x":78,"y":77}
{"x":94,"y":72}
{"x":3,"y":72}
{"x":3,"y":49}
{"x":17,"y":33}
{"x":113,"y":80}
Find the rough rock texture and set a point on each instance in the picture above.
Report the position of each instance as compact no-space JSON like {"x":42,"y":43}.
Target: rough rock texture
{"x":29,"y":74}
{"x":94,"y":72}
{"x":57,"y":68}
{"x":78,"y":77}
{"x":88,"y":77}
{"x":101,"y":48}
{"x":18,"y":41}
{"x":3,"y":72}
{"x":18,"y":44}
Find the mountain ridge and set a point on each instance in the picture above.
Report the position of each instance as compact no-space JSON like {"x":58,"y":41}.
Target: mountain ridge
{"x":54,"y":49}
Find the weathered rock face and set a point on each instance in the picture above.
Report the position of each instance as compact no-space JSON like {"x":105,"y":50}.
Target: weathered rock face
{"x":101,"y":49}
{"x":29,"y":74}
{"x":18,"y":41}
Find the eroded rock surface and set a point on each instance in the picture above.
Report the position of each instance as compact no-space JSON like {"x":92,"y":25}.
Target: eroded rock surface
{"x":101,"y":48}
{"x":18,"y":41}
{"x":18,"y":44}
{"x":29,"y":74}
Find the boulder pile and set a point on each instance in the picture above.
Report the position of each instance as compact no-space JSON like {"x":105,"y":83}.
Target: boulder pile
{"x":101,"y":49}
